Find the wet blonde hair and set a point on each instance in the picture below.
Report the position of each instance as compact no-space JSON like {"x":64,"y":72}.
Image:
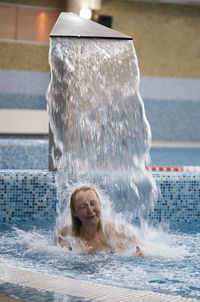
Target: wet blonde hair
{"x":76,"y":223}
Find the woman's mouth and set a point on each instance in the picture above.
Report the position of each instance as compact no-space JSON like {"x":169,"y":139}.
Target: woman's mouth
{"x":91,"y":216}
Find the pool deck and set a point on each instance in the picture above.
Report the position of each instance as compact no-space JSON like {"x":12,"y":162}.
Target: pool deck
{"x":11,"y":299}
{"x":81,"y":289}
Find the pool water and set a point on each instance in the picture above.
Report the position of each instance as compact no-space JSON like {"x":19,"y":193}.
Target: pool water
{"x":172,"y":267}
{"x":17,"y":292}
{"x":33,"y":154}
{"x":171,"y":156}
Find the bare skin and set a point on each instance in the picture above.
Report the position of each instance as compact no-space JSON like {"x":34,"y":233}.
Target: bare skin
{"x":92,"y":238}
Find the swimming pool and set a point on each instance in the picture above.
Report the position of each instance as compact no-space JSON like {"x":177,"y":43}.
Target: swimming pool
{"x":28,"y":209}
{"x":109,"y":145}
{"x":172,"y":268}
{"x":33,"y":154}
{"x":175,"y":156}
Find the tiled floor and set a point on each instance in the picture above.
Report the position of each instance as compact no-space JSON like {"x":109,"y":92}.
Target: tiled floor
{"x":82,"y":289}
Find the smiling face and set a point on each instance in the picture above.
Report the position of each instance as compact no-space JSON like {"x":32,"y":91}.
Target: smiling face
{"x":87,"y":208}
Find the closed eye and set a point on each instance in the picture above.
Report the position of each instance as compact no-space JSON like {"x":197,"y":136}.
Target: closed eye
{"x":83,"y":207}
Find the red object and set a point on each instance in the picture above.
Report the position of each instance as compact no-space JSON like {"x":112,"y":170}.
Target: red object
{"x":174,"y":168}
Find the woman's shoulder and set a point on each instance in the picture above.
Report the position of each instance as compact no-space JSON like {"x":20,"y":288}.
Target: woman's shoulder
{"x":116,"y":228}
{"x":113,"y":226}
{"x":65,"y":230}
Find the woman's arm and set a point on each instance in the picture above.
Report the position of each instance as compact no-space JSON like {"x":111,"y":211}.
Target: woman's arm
{"x":61,"y":237}
{"x":122,"y":237}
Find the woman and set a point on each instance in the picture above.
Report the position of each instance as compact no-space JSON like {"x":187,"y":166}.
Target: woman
{"x":87,"y":230}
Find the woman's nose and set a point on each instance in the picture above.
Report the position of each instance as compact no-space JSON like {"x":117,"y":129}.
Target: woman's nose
{"x":89,"y":208}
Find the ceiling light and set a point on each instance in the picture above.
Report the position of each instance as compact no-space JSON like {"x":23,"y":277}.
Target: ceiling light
{"x":85,"y":13}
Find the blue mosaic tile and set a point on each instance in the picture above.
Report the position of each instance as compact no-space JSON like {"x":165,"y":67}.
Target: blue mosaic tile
{"x":29,"y":193}
{"x":32,"y":194}
{"x":179,"y":199}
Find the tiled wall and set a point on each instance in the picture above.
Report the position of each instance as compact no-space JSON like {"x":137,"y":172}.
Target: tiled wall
{"x":27,"y":194}
{"x":33,"y":194}
{"x":166,"y":36}
{"x":172,"y":105}
{"x":23,"y":89}
{"x":180,"y":197}
{"x":23,"y":102}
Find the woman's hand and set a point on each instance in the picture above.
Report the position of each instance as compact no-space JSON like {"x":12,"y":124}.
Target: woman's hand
{"x":139,"y":252}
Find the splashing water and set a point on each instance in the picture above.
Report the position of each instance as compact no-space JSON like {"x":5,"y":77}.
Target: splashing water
{"x":100,"y":131}
{"x":172,"y":265}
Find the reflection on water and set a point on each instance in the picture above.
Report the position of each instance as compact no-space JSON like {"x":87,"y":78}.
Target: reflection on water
{"x":11,"y":293}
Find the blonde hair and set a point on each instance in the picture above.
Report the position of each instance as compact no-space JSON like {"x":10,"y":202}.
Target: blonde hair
{"x":76,"y":223}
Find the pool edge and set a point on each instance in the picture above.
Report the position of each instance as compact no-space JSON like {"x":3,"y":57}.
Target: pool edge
{"x":79,"y":288}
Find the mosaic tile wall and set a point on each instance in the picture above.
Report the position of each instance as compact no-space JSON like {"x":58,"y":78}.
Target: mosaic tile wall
{"x":32,"y":193}
{"x":179,"y":197}
{"x":27,"y":89}
{"x":21,"y":89}
{"x":27,"y":194}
